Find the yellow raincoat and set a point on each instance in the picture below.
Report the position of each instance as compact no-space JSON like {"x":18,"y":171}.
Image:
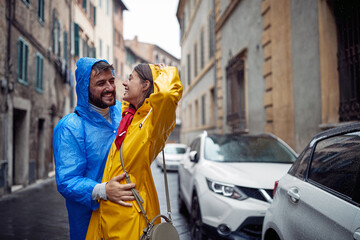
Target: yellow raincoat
{"x":145,"y":138}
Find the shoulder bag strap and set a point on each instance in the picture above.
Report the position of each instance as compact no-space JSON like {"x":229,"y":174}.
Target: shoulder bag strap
{"x":166,"y":187}
{"x":136,"y":194}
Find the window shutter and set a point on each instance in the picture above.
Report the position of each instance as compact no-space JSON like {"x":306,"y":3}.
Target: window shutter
{"x":94,"y":17}
{"x":76,"y":39}
{"x":26,"y":48}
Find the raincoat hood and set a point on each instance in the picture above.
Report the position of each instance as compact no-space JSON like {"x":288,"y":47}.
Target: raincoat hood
{"x":82,"y":74}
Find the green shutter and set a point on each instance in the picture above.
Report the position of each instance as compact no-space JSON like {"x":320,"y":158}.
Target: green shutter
{"x":37,"y":72}
{"x":20,"y":55}
{"x":41,"y":10}
{"x":41,"y":73}
{"x":76,"y":39}
{"x":22,"y":70}
{"x":26,"y":63}
{"x":84,"y":4}
{"x":65,"y":46}
{"x":94,"y":16}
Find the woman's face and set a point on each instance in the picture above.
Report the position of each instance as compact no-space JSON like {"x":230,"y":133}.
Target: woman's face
{"x":135,"y":89}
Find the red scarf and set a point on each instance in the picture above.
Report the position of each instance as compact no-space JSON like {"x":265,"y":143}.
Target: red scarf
{"x":127,"y":117}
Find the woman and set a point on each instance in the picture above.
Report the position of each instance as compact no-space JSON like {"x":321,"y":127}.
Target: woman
{"x":150,"y":100}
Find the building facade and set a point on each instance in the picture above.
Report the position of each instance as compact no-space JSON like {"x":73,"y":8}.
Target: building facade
{"x":35,"y":70}
{"x":41,"y":41}
{"x":119,"y":46}
{"x":152,"y":53}
{"x":268,"y":66}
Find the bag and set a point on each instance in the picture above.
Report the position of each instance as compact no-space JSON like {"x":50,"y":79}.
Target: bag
{"x":161,"y":231}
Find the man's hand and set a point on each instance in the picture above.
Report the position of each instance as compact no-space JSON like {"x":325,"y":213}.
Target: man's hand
{"x":119,"y":193}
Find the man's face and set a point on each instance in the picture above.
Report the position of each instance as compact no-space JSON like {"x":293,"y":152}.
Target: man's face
{"x":102,"y":90}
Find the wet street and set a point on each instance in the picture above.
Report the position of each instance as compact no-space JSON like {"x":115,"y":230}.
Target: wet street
{"x":38,"y":212}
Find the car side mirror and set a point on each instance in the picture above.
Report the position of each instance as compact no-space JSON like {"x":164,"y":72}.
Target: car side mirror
{"x":194,"y":156}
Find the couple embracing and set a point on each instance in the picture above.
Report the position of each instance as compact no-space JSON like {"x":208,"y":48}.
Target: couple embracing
{"x":87,"y":145}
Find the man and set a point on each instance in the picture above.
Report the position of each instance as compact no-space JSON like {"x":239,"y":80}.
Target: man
{"x":81,"y":142}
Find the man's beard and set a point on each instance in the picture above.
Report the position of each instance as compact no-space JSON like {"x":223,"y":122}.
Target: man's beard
{"x":98,"y":102}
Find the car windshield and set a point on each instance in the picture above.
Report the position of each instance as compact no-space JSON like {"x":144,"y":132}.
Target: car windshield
{"x":174,"y":150}
{"x":240,"y":148}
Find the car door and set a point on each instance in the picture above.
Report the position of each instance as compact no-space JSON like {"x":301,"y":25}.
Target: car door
{"x":356,"y":226}
{"x":324,"y":206}
{"x":187,"y":173}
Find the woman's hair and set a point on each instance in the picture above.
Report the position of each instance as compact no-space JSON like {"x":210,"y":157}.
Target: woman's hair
{"x":144,"y":72}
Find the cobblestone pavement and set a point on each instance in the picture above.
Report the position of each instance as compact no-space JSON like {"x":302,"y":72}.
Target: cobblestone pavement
{"x":38,"y":212}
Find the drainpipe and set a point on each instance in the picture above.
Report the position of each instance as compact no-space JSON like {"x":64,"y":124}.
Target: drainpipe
{"x":4,"y":163}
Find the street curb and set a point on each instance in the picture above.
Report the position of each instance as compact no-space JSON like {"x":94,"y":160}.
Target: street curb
{"x":38,"y":184}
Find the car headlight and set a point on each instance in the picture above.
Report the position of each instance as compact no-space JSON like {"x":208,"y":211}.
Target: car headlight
{"x":227,"y":190}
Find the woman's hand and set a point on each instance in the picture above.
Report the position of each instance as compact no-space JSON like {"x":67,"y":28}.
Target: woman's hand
{"x":161,"y":65}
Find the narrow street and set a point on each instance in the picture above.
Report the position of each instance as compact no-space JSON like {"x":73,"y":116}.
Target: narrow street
{"x":38,"y":212}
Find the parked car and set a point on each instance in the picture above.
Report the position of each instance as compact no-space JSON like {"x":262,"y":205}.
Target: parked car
{"x":319,"y":198}
{"x":226,"y":183}
{"x":174,"y":153}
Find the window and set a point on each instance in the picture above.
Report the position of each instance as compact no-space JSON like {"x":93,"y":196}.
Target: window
{"x":100,"y":3}
{"x":188,"y":69}
{"x":298,"y":169}
{"x":117,"y":37}
{"x":107,"y":7}
{"x":65,"y":55}
{"x":196,"y":113}
{"x":116,"y":67}
{"x":203,"y":110}
{"x":183,"y":117}
{"x":100,"y":48}
{"x":195,"y":60}
{"x":182,"y":26}
{"x":93,"y":14}
{"x":39,"y":72}
{"x":202,"y":49}
{"x":107,"y":52}
{"x":347,"y":16}
{"x":41,"y":10}
{"x":76,"y":39}
{"x":84,"y":4}
{"x":190,"y":116}
{"x":23,"y":54}
{"x":56,"y":35}
{"x":211,"y":22}
{"x":85,"y":47}
{"x":336,"y":166}
{"x":246,"y":148}
{"x":235,"y":74}
{"x":27,"y":2}
{"x":212,"y":106}
{"x":93,"y":52}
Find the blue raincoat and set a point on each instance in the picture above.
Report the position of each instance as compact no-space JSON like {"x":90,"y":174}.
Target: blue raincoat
{"x":81,"y":145}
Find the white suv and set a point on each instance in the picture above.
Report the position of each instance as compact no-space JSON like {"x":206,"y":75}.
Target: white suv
{"x":226,"y":183}
{"x":320,"y":196}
